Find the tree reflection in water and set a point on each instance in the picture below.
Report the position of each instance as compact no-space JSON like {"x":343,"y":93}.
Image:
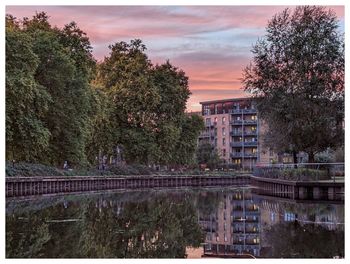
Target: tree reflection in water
{"x":295,"y":240}
{"x":159,"y":227}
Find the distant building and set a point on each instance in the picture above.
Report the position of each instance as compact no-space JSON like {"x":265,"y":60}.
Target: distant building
{"x":234,"y":128}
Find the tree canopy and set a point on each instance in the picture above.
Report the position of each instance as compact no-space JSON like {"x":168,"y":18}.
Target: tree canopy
{"x":297,"y":78}
{"x":63,"y":106}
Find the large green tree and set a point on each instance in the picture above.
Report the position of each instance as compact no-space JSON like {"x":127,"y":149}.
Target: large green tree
{"x":146,"y":107}
{"x":62,"y":66}
{"x":297,"y":78}
{"x":27,"y":136}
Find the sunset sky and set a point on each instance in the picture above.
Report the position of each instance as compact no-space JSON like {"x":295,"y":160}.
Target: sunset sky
{"x":211,"y":44}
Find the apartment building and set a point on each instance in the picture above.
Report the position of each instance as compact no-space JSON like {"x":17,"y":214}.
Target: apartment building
{"x":234,"y":128}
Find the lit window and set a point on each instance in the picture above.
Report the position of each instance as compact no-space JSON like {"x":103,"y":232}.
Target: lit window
{"x":223,"y":120}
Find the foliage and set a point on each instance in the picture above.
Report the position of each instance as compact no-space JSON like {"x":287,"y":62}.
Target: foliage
{"x":294,"y":174}
{"x":145,"y":108}
{"x":297,"y":78}
{"x":57,"y":98}
{"x":207,"y":154}
{"x":293,"y":240}
{"x":26,"y":100}
{"x":61,"y":107}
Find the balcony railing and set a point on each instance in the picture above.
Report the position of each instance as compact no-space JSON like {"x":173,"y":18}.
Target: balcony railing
{"x":250,"y":143}
{"x":236,"y":144}
{"x":244,"y":122}
{"x":245,"y":133}
{"x":244,"y":111}
{"x":246,"y":144}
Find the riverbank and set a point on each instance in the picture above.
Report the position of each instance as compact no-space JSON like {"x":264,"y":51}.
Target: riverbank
{"x":23,"y":169}
{"x":28,"y":186}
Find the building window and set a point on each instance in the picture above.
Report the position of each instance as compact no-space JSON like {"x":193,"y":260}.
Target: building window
{"x":254,"y":117}
{"x":254,"y":150}
{"x":225,"y":237}
{"x":223,"y":120}
{"x":207,"y":121}
{"x":215,"y":120}
{"x":206,"y":110}
{"x":223,"y":131}
{"x":224,"y":141}
{"x":216,"y":109}
{"x":224,"y":152}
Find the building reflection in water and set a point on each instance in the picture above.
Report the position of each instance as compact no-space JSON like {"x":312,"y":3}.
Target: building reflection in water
{"x":239,"y":225}
{"x":234,"y":229}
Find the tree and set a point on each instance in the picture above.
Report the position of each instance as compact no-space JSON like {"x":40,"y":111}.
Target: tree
{"x":27,"y":136}
{"x":297,"y":78}
{"x":65,"y":68}
{"x":126,"y":81}
{"x":146,"y":107}
{"x":186,"y":146}
{"x":207,"y":154}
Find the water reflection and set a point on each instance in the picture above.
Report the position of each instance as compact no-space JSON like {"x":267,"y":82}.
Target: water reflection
{"x":172,"y":224}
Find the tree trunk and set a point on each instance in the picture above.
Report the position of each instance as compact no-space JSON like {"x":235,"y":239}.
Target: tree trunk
{"x":295,"y":159}
{"x":311,"y":157}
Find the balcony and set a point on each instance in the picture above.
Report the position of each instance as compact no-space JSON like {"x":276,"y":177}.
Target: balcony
{"x":250,"y":133}
{"x":236,"y":155}
{"x":244,"y":111}
{"x":245,"y":133}
{"x":251,"y":143}
{"x":236,"y":144}
{"x":246,"y":144}
{"x":250,"y":155}
{"x":243,"y":122}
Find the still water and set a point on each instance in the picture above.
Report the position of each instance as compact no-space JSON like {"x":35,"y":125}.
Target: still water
{"x":172,"y":224}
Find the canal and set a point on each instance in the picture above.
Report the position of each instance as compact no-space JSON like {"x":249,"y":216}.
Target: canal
{"x":172,"y":223}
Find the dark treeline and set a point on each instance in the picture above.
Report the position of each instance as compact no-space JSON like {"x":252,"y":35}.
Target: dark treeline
{"x":61,"y":105}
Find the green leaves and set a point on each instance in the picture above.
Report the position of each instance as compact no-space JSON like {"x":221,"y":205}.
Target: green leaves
{"x":61,"y":107}
{"x":297,"y":77}
{"x":47,"y":91}
{"x":146,"y":104}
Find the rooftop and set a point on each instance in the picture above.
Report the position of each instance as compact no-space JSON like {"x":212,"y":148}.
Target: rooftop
{"x":226,"y":100}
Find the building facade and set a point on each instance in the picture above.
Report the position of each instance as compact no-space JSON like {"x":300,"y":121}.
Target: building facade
{"x":234,"y":128}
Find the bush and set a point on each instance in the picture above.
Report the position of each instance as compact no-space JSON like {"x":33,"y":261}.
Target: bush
{"x":30,"y":169}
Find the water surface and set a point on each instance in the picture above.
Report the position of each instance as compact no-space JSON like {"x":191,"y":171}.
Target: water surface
{"x":227,"y":222}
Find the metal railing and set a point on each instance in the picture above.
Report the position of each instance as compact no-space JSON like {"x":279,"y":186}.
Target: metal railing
{"x":245,"y":133}
{"x":244,"y":111}
{"x":244,"y":122}
{"x":301,"y":171}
